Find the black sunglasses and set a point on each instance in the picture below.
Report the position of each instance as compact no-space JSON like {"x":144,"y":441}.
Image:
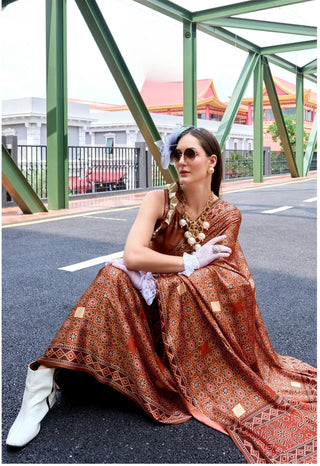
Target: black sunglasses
{"x":189,"y":153}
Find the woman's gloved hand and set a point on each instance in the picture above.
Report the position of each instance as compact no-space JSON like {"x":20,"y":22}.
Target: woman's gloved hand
{"x":206,"y":254}
{"x":142,"y":281}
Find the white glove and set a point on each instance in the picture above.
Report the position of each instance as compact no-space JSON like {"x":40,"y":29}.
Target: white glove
{"x":142,"y":281}
{"x":205,"y":255}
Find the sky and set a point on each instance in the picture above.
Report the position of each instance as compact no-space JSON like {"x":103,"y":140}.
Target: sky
{"x":150,"y":43}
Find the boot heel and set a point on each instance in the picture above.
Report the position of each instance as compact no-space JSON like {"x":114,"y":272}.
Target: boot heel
{"x":51,"y":399}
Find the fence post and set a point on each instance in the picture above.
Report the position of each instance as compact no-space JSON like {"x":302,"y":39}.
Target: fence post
{"x":11,"y":143}
{"x":223,"y":160}
{"x":267,"y":161}
{"x":145,"y":165}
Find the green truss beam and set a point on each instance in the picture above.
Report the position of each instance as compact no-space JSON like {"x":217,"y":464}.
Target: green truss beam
{"x":258,"y":122}
{"x":310,"y":147}
{"x":57,"y":107}
{"x":240,"y":8}
{"x":237,"y":95}
{"x":168,"y":8}
{"x":278,"y":116}
{"x":270,"y":26}
{"x":118,"y":68}
{"x":189,"y":73}
{"x":18,"y":187}
{"x":229,"y":38}
{"x":310,"y":67}
{"x":280,"y":48}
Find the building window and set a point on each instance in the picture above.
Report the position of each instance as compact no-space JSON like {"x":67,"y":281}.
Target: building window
{"x":109,"y":146}
{"x":308,"y":115}
{"x":270,"y":114}
{"x":289,"y":111}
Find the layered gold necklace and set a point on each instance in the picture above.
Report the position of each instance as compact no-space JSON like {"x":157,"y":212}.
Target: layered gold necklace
{"x":195,"y":228}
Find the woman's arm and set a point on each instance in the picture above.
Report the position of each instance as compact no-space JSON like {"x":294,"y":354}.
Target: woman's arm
{"x":137,"y":253}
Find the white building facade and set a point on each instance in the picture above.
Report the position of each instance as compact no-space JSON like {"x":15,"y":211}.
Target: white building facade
{"x":26,"y":119}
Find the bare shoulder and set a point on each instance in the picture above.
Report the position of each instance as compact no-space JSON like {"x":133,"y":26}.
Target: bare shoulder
{"x":155,"y":200}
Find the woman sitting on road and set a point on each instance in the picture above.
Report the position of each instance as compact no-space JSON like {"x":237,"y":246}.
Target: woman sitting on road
{"x":175,"y":325}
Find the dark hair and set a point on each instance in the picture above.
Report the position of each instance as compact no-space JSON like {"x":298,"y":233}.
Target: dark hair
{"x":211,"y":146}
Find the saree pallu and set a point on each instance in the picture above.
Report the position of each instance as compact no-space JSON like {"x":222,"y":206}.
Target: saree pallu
{"x":201,"y":349}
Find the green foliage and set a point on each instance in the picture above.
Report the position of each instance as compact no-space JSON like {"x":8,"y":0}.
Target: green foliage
{"x":279,"y":163}
{"x":290,"y":122}
{"x":239,"y":165}
{"x":157,"y":178}
{"x":37,"y":178}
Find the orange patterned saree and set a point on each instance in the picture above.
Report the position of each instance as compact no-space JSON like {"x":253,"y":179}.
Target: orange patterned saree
{"x":201,"y":349}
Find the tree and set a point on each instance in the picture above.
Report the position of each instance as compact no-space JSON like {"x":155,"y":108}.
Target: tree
{"x":290,"y":122}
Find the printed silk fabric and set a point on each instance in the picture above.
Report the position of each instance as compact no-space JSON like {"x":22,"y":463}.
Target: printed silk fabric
{"x":201,"y":349}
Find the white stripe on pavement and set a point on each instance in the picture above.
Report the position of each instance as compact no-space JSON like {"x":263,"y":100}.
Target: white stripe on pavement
{"x":312,"y":199}
{"x":278,"y":209}
{"x":91,"y":262}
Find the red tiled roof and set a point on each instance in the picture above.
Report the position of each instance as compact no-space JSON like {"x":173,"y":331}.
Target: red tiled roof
{"x":168,"y":93}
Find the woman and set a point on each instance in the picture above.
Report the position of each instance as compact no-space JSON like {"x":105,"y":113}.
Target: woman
{"x":175,"y":324}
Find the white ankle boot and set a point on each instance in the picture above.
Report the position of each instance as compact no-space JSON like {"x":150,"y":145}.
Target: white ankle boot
{"x":39,"y":396}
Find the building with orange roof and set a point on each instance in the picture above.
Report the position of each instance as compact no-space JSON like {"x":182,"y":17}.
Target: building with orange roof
{"x":167,"y":97}
{"x":286,"y":92}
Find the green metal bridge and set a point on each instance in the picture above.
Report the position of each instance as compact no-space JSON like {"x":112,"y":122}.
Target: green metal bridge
{"x":214,"y":22}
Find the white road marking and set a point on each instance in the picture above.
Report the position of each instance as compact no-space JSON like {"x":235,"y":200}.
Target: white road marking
{"x":107,"y":218}
{"x":278,"y":209}
{"x":312,"y":199}
{"x":91,"y":262}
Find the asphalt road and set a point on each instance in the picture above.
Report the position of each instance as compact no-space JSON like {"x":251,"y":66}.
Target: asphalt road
{"x":94,"y":424}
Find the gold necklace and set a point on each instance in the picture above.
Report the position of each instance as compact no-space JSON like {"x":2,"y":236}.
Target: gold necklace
{"x":195,"y":228}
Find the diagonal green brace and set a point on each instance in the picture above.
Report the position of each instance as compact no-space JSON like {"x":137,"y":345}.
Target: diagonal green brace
{"x":112,"y":56}
{"x":234,"y":104}
{"x":18,"y":187}
{"x":278,"y":116}
{"x":310,"y":147}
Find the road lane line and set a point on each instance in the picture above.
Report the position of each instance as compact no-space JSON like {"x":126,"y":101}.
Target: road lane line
{"x":312,"y":199}
{"x":278,"y":209}
{"x":108,"y":218}
{"x":91,"y":262}
{"x":66,"y":217}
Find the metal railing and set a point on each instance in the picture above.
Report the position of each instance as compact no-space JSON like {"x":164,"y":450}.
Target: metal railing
{"x":102,"y":169}
{"x":97,"y":169}
{"x":32,"y":161}
{"x":239,"y":164}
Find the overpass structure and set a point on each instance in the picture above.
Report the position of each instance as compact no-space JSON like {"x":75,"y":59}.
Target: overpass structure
{"x":227,"y":23}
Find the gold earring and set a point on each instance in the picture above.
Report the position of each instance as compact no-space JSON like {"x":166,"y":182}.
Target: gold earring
{"x":210,"y":170}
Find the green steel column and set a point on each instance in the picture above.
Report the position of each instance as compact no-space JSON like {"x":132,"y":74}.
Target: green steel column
{"x":299,"y":123}
{"x":189,"y":73}
{"x":258,"y":123}
{"x":57,"y":109}
{"x":310,"y":147}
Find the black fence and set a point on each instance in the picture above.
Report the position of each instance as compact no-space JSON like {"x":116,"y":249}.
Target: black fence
{"x":103,"y":169}
{"x":239,"y":164}
{"x":91,"y":169}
